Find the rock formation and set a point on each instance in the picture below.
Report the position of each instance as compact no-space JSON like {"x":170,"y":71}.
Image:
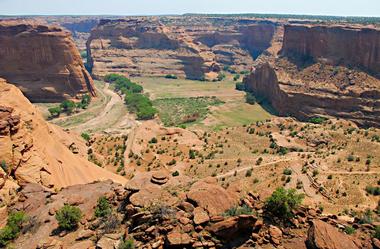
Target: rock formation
{"x":189,"y":48}
{"x":34,"y":151}
{"x":42,"y":61}
{"x":312,"y":76}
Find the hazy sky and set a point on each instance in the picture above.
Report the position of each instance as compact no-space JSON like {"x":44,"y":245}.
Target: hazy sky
{"x":154,"y":7}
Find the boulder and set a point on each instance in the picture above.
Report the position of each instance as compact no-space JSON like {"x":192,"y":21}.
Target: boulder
{"x":322,"y":235}
{"x":200,"y":216}
{"x":232,"y":226}
{"x":211,"y":197}
{"x":275,"y":234}
{"x":178,"y":239}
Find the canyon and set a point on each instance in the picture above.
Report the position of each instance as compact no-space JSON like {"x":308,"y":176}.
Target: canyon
{"x":320,"y":70}
{"x":190,"y":48}
{"x":42,"y":61}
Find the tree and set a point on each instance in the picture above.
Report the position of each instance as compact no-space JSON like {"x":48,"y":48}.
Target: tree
{"x":68,"y":217}
{"x":13,"y":227}
{"x":240,"y":86}
{"x":282,"y":202}
{"x":86,"y":136}
{"x":68,"y":106}
{"x":103,"y":208}
{"x":250,"y":98}
{"x":55,"y":111}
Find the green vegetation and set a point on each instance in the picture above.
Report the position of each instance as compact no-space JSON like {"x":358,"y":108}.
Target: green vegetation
{"x":177,"y":111}
{"x":13,"y":227}
{"x":68,"y":106}
{"x":349,"y":230}
{"x":86,"y":136}
{"x":250,"y":98}
{"x":221,"y":76}
{"x":282,"y":202}
{"x":133,"y":97}
{"x":103,"y":208}
{"x":236,"y":77}
{"x":288,"y":171}
{"x":171,"y":76}
{"x":127,"y":244}
{"x":238,"y":210}
{"x":240,"y":86}
{"x":373,"y":190}
{"x":317,"y":120}
{"x":377,"y":232}
{"x":68,"y":217}
{"x":4,"y":166}
{"x":175,"y":173}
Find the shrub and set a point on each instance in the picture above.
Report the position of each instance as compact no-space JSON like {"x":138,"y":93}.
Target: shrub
{"x":85,"y":136}
{"x":317,"y":120}
{"x":4,"y":166}
{"x":13,"y":227}
{"x":86,"y":100}
{"x":55,"y":111}
{"x":221,"y":76}
{"x":68,"y":217}
{"x":248,"y":173}
{"x":103,"y":207}
{"x":236,"y":77}
{"x":153,"y":140}
{"x":287,"y":171}
{"x":349,"y":230}
{"x":238,"y":210}
{"x":171,"y":76}
{"x":250,"y":98}
{"x":377,"y":232}
{"x":127,"y":244}
{"x":175,"y":173}
{"x":240,"y":86}
{"x":373,"y":190}
{"x":67,"y":106}
{"x":192,"y":154}
{"x":282,"y":202}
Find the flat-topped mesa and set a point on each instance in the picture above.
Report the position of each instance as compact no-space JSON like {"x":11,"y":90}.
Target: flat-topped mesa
{"x":192,"y":48}
{"x":335,"y":45}
{"x":323,"y":71}
{"x":42,"y":61}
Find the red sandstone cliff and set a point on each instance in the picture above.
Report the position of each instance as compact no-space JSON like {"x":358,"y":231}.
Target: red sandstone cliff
{"x":42,"y":61}
{"x":336,"y":45}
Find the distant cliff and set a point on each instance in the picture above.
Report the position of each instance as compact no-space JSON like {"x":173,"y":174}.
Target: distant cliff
{"x":328,"y":71}
{"x":336,"y":45}
{"x":42,"y":61}
{"x":192,"y":48}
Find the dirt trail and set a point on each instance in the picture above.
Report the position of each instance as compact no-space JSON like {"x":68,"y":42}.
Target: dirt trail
{"x":241,"y":169}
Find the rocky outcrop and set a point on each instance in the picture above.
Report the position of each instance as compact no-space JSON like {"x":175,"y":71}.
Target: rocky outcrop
{"x":180,"y":46}
{"x":42,"y":61}
{"x":322,"y":235}
{"x":320,"y":87}
{"x":34,"y":151}
{"x":337,"y":45}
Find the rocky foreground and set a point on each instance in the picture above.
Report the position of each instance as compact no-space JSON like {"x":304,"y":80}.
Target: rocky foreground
{"x":42,"y":61}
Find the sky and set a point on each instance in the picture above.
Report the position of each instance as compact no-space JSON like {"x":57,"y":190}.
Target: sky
{"x":158,"y":7}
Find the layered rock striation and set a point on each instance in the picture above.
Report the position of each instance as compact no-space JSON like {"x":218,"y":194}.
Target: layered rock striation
{"x":189,"y":48}
{"x":318,"y":75}
{"x":42,"y":61}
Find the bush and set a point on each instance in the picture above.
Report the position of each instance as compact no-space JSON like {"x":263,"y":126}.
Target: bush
{"x":127,"y":244}
{"x":238,"y":210}
{"x":221,"y":76}
{"x":317,"y":120}
{"x":68,"y":106}
{"x":349,"y":230}
{"x":171,"y":76}
{"x":282,"y":202}
{"x":373,"y":190}
{"x":85,"y":136}
{"x":84,"y":103}
{"x":287,"y":171}
{"x":4,"y":166}
{"x":55,"y":111}
{"x":103,"y":208}
{"x":377,"y":232}
{"x":175,"y":173}
{"x":13,"y":227}
{"x":248,"y":173}
{"x":192,"y":154}
{"x":236,"y":77}
{"x":68,"y":217}
{"x":240,"y":86}
{"x":250,"y":98}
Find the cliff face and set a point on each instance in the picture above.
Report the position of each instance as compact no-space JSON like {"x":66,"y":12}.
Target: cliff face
{"x":42,"y":61}
{"x":336,"y":45}
{"x":181,"y":46}
{"x":32,"y":150}
{"x":304,"y":98}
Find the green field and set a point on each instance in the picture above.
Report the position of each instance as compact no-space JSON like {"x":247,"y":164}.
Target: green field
{"x":176,"y":101}
{"x":178,"y":111}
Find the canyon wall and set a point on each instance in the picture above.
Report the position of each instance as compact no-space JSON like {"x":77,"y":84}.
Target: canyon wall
{"x":337,"y":45}
{"x":34,"y":151}
{"x":319,"y":74}
{"x":193,"y":48}
{"x":42,"y":61}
